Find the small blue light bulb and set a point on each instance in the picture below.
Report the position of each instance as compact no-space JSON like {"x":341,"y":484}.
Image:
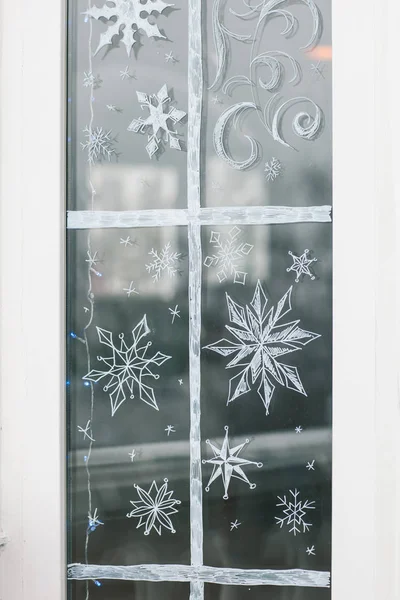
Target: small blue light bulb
{"x":97,"y":583}
{"x":73,"y":335}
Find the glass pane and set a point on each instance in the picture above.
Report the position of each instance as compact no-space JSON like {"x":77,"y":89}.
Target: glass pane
{"x":199,"y":281}
{"x":231,"y":592}
{"x":134,"y":590}
{"x":267,"y":79}
{"x":289,"y":447}
{"x":110,"y":93}
{"x":135,"y":321}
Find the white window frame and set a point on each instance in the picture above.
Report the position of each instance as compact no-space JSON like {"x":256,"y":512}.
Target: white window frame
{"x":366,"y":524}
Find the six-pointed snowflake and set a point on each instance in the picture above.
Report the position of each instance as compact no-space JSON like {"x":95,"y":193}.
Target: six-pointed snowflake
{"x":227,"y":464}
{"x":294,"y":512}
{"x":130,"y":17}
{"x":164,"y":260}
{"x":158,"y":120}
{"x":261,"y":340}
{"x":301,"y":265}
{"x":154,"y":508}
{"x":99,"y":144}
{"x":272,"y":169}
{"x":90,"y":80}
{"x":229,"y":253}
{"x":127,"y":366}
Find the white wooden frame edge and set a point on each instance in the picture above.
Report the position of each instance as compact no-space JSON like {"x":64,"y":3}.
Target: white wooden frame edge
{"x":366,"y":408}
{"x":32,"y":450}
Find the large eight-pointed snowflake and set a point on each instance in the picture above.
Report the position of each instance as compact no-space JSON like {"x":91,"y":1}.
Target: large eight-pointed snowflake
{"x":294,"y":512}
{"x":127,"y":366}
{"x":130,"y":17}
{"x":154,"y":508}
{"x":229,"y":254}
{"x":261,"y":342}
{"x":158,"y":120}
{"x":227,"y":464}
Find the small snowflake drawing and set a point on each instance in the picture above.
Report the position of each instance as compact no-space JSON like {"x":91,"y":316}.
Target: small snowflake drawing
{"x":235,"y":524}
{"x":99,"y":144}
{"x":90,"y":80}
{"x":170,"y":429}
{"x":170,"y":58}
{"x":227,"y":463}
{"x":310,"y":551}
{"x":228,"y":256}
{"x":294,"y":512}
{"x":158,"y":121}
{"x":125,"y":74}
{"x":87,"y":431}
{"x":113,"y":108}
{"x":301,"y":265}
{"x":94,"y":521}
{"x":127,"y":18}
{"x":318,"y":70}
{"x":260,"y":342}
{"x":175,"y":313}
{"x":164,"y":260}
{"x":272,"y":169}
{"x":154,"y":508}
{"x":127,"y":366}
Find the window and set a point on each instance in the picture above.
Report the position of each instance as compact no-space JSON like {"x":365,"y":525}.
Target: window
{"x":38,"y":451}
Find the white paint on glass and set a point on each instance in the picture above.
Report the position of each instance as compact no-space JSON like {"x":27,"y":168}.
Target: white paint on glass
{"x":202,"y":574}
{"x":230,"y":215}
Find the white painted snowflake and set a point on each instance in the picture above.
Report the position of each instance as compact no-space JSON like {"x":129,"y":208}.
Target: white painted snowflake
{"x":94,"y":521}
{"x":301,"y":265}
{"x":294,"y":512}
{"x":227,"y":464}
{"x":90,"y":80}
{"x":99,"y":144}
{"x":229,"y":253}
{"x":164,"y":260}
{"x":127,"y":366}
{"x":158,"y":120}
{"x":128,"y":17}
{"x":261,"y":341}
{"x":154,"y":508}
{"x":272,"y":169}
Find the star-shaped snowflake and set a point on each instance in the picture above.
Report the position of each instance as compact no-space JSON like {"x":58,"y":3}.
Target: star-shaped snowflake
{"x":229,"y":253}
{"x":227,"y":464}
{"x":272,"y":169}
{"x":130,"y":17}
{"x":301,"y":265}
{"x":262,"y":340}
{"x":127,"y":366}
{"x":294,"y":510}
{"x":163,"y":260}
{"x":158,"y":120}
{"x":154,"y":508}
{"x":99,"y":144}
